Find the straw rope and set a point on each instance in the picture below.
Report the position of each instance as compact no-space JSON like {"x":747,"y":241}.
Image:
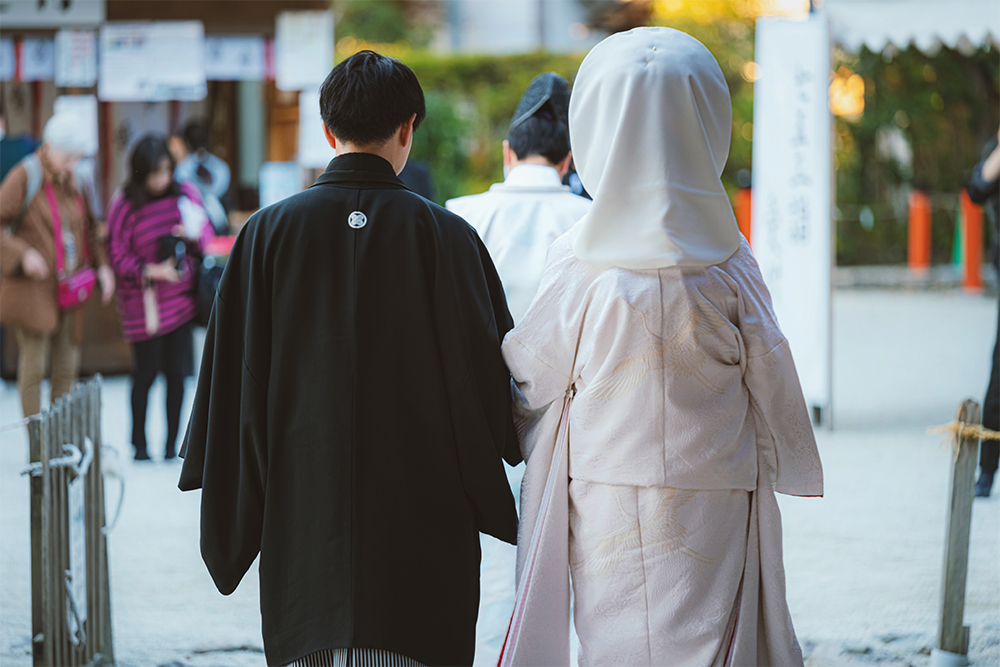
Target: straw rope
{"x":961,"y":430}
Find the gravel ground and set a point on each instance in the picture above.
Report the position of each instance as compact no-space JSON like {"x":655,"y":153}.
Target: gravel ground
{"x":863,"y":563}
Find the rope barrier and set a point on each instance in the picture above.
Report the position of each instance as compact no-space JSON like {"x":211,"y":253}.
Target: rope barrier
{"x":962,"y":431}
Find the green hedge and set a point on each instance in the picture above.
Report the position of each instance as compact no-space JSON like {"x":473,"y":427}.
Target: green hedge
{"x":948,"y":101}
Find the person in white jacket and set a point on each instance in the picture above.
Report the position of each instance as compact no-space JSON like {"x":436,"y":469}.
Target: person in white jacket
{"x":657,"y":402}
{"x":520,"y":218}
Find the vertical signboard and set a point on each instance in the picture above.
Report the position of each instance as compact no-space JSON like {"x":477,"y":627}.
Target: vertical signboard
{"x":314,"y":151}
{"x":38,"y":59}
{"x":303,"y":49}
{"x":76,"y":58}
{"x":792,"y":232}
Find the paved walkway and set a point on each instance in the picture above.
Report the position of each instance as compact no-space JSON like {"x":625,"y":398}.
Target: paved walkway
{"x":863,"y":564}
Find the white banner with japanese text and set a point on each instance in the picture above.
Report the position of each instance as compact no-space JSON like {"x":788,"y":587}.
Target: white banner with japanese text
{"x":792,"y":235}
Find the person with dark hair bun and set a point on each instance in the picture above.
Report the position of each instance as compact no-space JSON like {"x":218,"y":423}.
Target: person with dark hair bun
{"x":153,"y":216}
{"x":353,"y":407}
{"x":521,"y":217}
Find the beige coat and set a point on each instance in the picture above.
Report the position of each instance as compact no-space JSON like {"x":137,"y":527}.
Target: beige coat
{"x":26,"y":302}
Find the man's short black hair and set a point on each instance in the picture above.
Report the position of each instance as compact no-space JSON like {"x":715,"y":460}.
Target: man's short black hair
{"x":368,"y":96}
{"x":542,"y":134}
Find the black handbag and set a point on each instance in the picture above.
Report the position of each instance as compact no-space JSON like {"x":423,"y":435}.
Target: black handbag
{"x":209,"y":276}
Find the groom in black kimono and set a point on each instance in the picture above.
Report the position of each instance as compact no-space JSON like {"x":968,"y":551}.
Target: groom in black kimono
{"x":352,"y":406}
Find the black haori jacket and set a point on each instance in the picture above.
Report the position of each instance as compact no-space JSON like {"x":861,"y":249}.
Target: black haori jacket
{"x":351,"y":414}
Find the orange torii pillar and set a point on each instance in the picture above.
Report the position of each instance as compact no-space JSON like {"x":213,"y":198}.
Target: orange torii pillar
{"x":744,"y":201}
{"x":919,"y":233}
{"x":972,"y":242}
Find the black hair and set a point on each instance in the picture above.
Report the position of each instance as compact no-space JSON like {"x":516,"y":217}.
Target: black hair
{"x":368,"y":96}
{"x":145,"y":157}
{"x":196,"y":135}
{"x":541,"y":134}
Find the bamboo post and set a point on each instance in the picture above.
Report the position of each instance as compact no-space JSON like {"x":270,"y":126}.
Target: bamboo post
{"x":953,"y":638}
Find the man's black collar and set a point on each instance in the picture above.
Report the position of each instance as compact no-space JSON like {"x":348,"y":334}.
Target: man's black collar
{"x":360,"y":168}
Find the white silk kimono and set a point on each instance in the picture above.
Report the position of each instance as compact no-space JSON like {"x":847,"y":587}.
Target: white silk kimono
{"x":659,"y":410}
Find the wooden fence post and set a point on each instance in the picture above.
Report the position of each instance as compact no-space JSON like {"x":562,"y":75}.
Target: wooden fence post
{"x":953,"y":637}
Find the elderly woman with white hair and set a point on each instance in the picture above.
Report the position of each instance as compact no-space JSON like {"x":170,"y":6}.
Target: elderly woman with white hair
{"x":50,"y":258}
{"x":658,"y":405}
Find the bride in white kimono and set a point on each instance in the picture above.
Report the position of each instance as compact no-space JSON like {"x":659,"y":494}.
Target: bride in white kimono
{"x":657,"y":401}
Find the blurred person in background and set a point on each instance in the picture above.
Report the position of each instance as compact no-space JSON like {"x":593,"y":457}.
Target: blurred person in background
{"x":209,"y":173}
{"x":12,"y":148}
{"x":984,"y":188}
{"x":520,"y":218}
{"x":38,"y":197}
{"x":155,"y":228}
{"x":657,"y":400}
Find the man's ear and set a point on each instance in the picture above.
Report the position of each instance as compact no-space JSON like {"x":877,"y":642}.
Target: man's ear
{"x":508,"y":154}
{"x":330,"y":139}
{"x":406,"y":131}
{"x":563,"y":166}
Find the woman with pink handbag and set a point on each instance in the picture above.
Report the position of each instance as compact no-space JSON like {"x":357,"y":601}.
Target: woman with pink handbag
{"x":153,"y":231}
{"x":50,"y":258}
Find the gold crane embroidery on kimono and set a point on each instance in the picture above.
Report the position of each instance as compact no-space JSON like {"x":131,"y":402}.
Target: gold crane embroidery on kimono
{"x":681,"y":353}
{"x":662,"y":534}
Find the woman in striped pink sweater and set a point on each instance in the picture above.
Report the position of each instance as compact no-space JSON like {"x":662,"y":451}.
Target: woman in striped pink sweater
{"x":157,"y":296}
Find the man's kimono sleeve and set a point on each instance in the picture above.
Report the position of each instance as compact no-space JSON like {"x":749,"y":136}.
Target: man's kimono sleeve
{"x":785,"y":439}
{"x":471,"y":319}
{"x":225,"y":450}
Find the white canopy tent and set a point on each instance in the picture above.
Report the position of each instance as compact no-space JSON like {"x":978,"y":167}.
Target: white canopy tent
{"x":926,"y":23}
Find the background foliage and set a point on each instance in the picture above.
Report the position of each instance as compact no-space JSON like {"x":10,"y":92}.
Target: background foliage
{"x":943,"y":107}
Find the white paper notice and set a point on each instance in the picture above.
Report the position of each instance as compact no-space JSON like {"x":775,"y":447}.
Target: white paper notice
{"x":152,"y":62}
{"x":76,"y":58}
{"x":8,"y":59}
{"x":314,"y":150}
{"x":234,"y":58}
{"x":303,"y":49}
{"x":38,"y":59}
{"x":279,"y":180}
{"x":792,"y":231}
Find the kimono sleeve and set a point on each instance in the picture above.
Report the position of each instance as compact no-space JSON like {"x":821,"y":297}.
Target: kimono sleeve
{"x":471,"y":319}
{"x":785,"y":439}
{"x":541,"y":350}
{"x":225,"y":449}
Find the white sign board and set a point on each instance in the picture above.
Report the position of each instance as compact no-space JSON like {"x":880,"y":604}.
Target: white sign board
{"x":38,"y":59}
{"x":234,"y":58}
{"x":303,"y":49}
{"x":792,"y":231}
{"x":279,"y":180}
{"x":84,"y":107}
{"x":8,"y":59}
{"x":314,"y":150}
{"x":76,"y":58}
{"x":51,"y":13}
{"x":152,"y":62}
